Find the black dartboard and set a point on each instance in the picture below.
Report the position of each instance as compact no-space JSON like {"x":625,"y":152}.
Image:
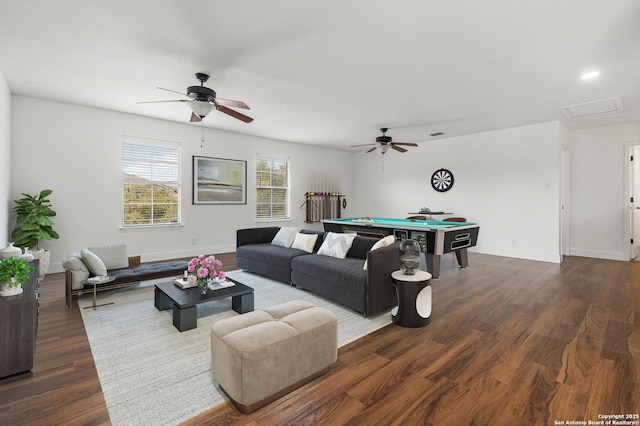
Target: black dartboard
{"x":442,"y":180}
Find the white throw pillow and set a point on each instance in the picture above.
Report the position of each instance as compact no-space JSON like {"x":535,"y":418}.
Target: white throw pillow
{"x":305,"y":242}
{"x":384,"y":242}
{"x":93,"y":262}
{"x":285,"y":236}
{"x":336,"y":245}
{"x":113,"y":257}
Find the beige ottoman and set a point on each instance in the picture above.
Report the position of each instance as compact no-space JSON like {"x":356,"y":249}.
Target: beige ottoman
{"x":262,"y":355}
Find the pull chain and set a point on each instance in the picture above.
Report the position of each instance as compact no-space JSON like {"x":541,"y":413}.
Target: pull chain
{"x":201,"y":134}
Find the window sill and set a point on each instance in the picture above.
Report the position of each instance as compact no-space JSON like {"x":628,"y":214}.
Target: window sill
{"x":167,"y":227}
{"x":283,"y":219}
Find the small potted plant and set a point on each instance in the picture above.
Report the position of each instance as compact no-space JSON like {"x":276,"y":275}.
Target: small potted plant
{"x":13,"y":273}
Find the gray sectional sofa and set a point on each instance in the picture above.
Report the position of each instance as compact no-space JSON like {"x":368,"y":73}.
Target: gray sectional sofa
{"x":345,"y":281}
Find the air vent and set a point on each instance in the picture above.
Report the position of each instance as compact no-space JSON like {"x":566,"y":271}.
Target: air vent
{"x":593,"y":108}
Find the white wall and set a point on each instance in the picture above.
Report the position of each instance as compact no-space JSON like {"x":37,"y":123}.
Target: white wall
{"x":5,"y":159}
{"x":76,"y":152}
{"x":597,"y":190}
{"x":508,"y":181}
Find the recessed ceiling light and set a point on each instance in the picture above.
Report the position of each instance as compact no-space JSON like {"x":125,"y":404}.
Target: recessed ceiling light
{"x":590,"y":75}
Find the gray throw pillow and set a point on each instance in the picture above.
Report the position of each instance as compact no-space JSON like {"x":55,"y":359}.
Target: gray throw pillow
{"x":113,"y":257}
{"x":94,"y":263}
{"x":285,"y":236}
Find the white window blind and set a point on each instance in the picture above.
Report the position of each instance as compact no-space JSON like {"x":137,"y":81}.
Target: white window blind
{"x":150,"y":184}
{"x":272,"y":184}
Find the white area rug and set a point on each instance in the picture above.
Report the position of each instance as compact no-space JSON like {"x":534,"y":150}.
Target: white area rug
{"x":151,"y":374}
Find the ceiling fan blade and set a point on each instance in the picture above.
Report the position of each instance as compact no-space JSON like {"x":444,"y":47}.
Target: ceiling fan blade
{"x":195,"y":118}
{"x":158,"y":102}
{"x":173,"y":91}
{"x":404,"y":143}
{"x":234,"y":114}
{"x":397,"y":148}
{"x":371,"y":150}
{"x":232,"y":103}
{"x":364,"y":144}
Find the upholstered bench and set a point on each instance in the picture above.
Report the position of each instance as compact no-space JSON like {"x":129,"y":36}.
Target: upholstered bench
{"x":112,"y":261}
{"x":259,"y":356}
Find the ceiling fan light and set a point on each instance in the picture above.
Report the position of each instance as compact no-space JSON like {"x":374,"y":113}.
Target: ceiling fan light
{"x":384,"y":148}
{"x":200,"y":108}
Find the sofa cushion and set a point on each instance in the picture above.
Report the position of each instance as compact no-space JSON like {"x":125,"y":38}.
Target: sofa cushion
{"x":285,"y":236}
{"x":114,"y":256}
{"x":336,"y":245}
{"x":347,"y":272}
{"x":270,"y":254}
{"x":304,"y":242}
{"x":94,"y":263}
{"x":383,"y":242}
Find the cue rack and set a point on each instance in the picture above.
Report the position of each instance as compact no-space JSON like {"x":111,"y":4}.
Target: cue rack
{"x":323,"y":205}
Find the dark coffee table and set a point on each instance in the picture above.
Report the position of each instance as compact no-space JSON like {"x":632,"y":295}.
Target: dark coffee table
{"x":184,"y":302}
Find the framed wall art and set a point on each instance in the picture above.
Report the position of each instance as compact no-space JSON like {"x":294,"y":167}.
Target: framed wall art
{"x":219,"y":181}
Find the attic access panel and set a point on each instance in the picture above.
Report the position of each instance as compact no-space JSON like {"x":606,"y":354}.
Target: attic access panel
{"x":589,"y":109}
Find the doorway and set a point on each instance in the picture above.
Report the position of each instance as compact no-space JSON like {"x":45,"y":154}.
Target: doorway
{"x":633,"y":199}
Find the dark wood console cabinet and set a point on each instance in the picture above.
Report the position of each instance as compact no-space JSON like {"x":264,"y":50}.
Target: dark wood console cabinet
{"x":18,"y":328}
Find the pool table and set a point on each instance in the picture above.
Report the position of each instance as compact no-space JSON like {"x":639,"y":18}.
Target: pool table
{"x":435,"y":237}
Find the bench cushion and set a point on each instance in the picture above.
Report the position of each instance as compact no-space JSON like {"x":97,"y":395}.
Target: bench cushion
{"x":149,"y":271}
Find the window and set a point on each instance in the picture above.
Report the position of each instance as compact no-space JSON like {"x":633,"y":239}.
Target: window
{"x":150,"y":183}
{"x":272,"y":183}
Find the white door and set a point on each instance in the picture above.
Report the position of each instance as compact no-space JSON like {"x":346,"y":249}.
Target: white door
{"x":634,"y":205}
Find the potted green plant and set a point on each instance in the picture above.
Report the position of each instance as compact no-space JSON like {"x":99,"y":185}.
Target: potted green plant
{"x":33,"y":223}
{"x":14,"y":272}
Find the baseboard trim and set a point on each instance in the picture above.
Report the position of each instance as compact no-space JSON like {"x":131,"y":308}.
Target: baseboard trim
{"x":553,"y":258}
{"x":608,"y":255}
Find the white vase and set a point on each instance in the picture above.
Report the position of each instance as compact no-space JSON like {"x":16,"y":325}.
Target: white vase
{"x":10,"y":251}
{"x":44,"y":256}
{"x":8,"y":290}
{"x":27,"y":255}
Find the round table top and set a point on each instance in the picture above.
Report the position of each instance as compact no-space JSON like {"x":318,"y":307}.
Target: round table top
{"x":418,"y":276}
{"x":100,"y":279}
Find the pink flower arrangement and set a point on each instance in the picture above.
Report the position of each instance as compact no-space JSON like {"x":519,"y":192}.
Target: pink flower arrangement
{"x":202,"y":268}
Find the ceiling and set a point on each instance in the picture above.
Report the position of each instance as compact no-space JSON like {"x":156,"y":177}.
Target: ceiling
{"x":332,"y":72}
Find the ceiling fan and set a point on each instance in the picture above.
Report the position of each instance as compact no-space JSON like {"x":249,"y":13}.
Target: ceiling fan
{"x":385,"y":142}
{"x":203,"y":100}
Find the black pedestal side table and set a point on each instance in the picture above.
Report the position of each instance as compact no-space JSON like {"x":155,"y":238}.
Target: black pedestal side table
{"x":414,"y":299}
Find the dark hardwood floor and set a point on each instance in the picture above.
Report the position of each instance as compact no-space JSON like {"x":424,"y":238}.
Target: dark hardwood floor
{"x":511,"y":341}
